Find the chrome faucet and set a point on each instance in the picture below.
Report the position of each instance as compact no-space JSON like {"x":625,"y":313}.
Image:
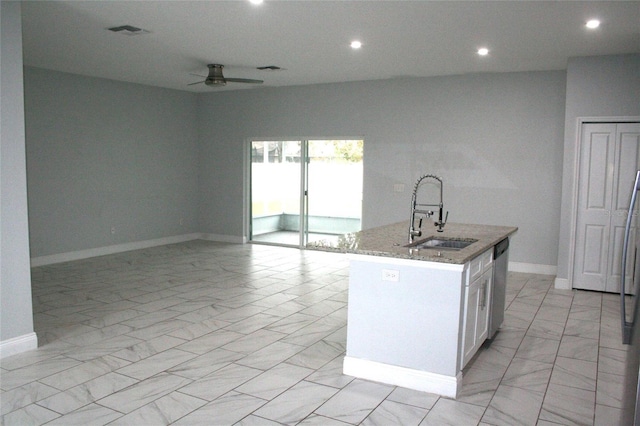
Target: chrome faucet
{"x":419,"y":209}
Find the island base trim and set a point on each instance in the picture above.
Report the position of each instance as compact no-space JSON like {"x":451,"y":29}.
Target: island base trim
{"x":423,"y":381}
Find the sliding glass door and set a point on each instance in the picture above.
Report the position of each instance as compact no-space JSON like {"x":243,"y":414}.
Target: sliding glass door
{"x":304,"y":190}
{"x":276,"y":174}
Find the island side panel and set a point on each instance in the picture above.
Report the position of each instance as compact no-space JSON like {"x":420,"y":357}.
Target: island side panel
{"x":414,"y":322}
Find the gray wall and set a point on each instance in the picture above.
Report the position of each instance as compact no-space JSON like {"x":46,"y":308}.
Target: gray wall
{"x":15,"y":277}
{"x":496,"y":139}
{"x":100,"y":151}
{"x":105,"y":154}
{"x":603,"y":86}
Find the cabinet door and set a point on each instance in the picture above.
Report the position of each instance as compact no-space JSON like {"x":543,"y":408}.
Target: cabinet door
{"x":484,"y":298}
{"x":472,"y":299}
{"x":476,"y":315}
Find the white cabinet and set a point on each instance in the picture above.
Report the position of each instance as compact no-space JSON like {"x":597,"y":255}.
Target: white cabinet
{"x":482,"y":319}
{"x":477,"y":297}
{"x":472,"y":299}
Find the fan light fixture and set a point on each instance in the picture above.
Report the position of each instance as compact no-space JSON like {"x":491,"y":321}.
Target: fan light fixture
{"x":215,"y":77}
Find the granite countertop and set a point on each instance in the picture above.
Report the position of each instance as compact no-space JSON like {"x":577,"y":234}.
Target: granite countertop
{"x":391,"y":241}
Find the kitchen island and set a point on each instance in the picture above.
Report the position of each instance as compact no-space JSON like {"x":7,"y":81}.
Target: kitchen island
{"x":416,"y":316}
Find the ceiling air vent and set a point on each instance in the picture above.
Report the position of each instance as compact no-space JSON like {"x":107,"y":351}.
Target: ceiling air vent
{"x":128,"y":30}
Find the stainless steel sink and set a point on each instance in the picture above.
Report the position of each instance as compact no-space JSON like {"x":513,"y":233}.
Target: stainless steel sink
{"x":437,"y":243}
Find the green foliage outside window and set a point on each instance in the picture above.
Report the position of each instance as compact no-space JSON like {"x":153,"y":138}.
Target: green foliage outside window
{"x":350,"y":150}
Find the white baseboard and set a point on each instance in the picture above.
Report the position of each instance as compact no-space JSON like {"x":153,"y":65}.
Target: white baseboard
{"x":19,"y":344}
{"x":562,"y":284}
{"x":224,"y":238}
{"x":533,"y":268}
{"x":423,"y":381}
{"x":118,"y":248}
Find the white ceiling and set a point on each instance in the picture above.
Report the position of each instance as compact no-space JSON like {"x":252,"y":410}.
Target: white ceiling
{"x":311,"y":38}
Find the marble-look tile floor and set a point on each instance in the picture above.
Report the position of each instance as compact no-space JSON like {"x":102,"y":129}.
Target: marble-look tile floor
{"x":221,"y":334}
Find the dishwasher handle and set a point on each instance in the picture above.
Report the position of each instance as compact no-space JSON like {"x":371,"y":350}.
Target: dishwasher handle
{"x":500,"y":248}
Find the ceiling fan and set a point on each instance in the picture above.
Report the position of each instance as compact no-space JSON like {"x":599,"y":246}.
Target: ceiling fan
{"x":215,"y":77}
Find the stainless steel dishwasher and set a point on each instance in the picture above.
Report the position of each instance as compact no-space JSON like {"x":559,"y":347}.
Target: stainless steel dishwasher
{"x":499,"y":294}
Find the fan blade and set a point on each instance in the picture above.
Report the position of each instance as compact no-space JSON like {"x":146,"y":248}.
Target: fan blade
{"x":243,"y":80}
{"x":271,"y":68}
{"x":198,"y":75}
{"x":197,"y":82}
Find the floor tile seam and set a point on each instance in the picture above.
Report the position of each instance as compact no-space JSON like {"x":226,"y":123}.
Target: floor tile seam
{"x":3,"y":415}
{"x":30,"y":366}
{"x":499,"y":382}
{"x":234,"y":323}
{"x":603,"y":404}
{"x":385,"y":399}
{"x":122,"y":414}
{"x":71,"y":310}
{"x":549,"y":383}
{"x":484,"y":412}
{"x":598,"y":356}
{"x":253,"y":413}
{"x":339,"y":390}
{"x":35,"y":401}
{"x":553,"y":321}
{"x":598,"y":378}
{"x":591,"y":392}
{"x":39,"y":404}
{"x":205,"y":402}
{"x":622,"y":375}
{"x":91,"y":400}
{"x":579,"y":334}
{"x":42,"y":407}
{"x":541,"y":394}
{"x":569,"y":385}
{"x":544,"y":393}
{"x":147,"y":359}
{"x":266,"y":401}
{"x":114,"y":354}
{"x":306,"y":325}
{"x":584,"y":308}
{"x":515,"y":296}
{"x":67,"y":339}
{"x":84,"y":382}
{"x":412,"y":405}
{"x":209,"y":402}
{"x":89,"y":380}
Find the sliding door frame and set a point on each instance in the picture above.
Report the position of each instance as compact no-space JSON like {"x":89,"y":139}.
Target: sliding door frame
{"x":303,"y":230}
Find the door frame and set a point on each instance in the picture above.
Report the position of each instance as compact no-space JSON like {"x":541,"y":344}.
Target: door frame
{"x":246,"y":187}
{"x":576,"y":184}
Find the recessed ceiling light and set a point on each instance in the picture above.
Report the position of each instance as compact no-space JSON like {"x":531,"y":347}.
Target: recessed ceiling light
{"x":256,"y":1}
{"x":356,"y":44}
{"x":592,"y":24}
{"x":483,"y":51}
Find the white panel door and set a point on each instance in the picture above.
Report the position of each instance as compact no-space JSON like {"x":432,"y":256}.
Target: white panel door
{"x":627,"y":162}
{"x":609,"y":159}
